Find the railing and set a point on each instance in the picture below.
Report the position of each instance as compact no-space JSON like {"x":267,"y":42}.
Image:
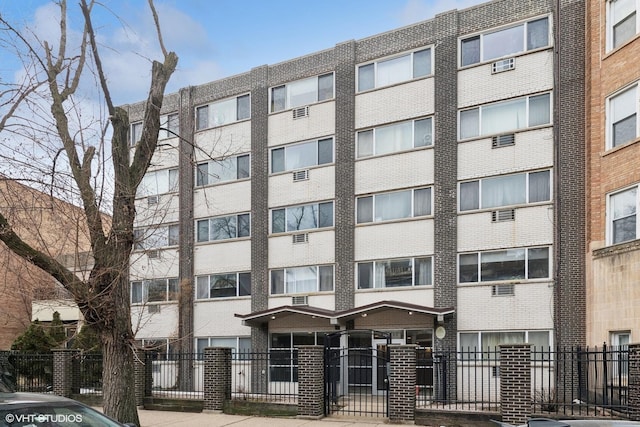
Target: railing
{"x":30,"y":372}
{"x":175,"y":375}
{"x":87,"y":368}
{"x":266,"y":376}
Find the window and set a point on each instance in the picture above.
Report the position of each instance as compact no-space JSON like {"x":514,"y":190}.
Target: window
{"x":305,"y":217}
{"x":487,"y":343}
{"x":622,"y":219}
{"x":302,"y":92}
{"x":394,"y":205}
{"x":136,"y":133}
{"x":504,"y":42}
{"x":395,"y":137}
{"x":505,"y":264}
{"x":238,"y":344}
{"x":620,"y":357}
{"x":283,"y":355}
{"x":394,"y":70}
{"x":158,"y":182}
{"x":302,"y":155}
{"x":156,"y":237}
{"x":223,"y":170}
{"x":222,"y":112}
{"x":223,"y":285}
{"x":505,"y":190}
{"x":154,"y":290}
{"x":395,"y":273}
{"x":222,"y":228}
{"x":169,"y":126}
{"x":622,"y":24}
{"x":164,"y":348}
{"x":302,"y":279}
{"x":505,"y":116}
{"x":622,"y":120}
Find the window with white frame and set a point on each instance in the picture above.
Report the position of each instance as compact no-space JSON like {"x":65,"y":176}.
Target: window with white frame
{"x":622,"y":119}
{"x":135,"y":133}
{"x":302,"y":155}
{"x":622,"y":22}
{"x":283,"y":354}
{"x":486,"y":344}
{"x":394,"y":273}
{"x":223,"y":285}
{"x":505,"y":116}
{"x":223,"y":228}
{"x":622,"y":221}
{"x":223,"y":112}
{"x":295,"y":280}
{"x":504,"y":264}
{"x":169,"y":126}
{"x":389,"y":71}
{"x":396,"y":137}
{"x":620,"y":341}
{"x":156,"y":237}
{"x":302,"y":92}
{"x":223,"y":170}
{"x":237,"y":344}
{"x":303,"y":217}
{"x":158,"y":182}
{"x":154,"y":290}
{"x":505,"y":190}
{"x":164,"y":348}
{"x":505,"y":42}
{"x":394,"y":205}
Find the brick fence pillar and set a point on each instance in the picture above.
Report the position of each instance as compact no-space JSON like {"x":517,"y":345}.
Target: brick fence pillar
{"x":63,"y":371}
{"x":634,"y":382}
{"x":515,"y":383}
{"x":402,"y":383}
{"x":139,"y":370}
{"x":217,"y":378}
{"x":311,"y":381}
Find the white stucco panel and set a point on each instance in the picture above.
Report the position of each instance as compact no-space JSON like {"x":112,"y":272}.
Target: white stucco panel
{"x":216,"y":318}
{"x":320,"y":122}
{"x":284,"y":191}
{"x":223,"y":141}
{"x":161,"y":324}
{"x":222,"y":257}
{"x":161,"y":209}
{"x":325,"y":300}
{"x":393,"y":240}
{"x":403,"y":170}
{"x":419,"y":295}
{"x":165,"y":264}
{"x":222,"y":199}
{"x":318,"y":250}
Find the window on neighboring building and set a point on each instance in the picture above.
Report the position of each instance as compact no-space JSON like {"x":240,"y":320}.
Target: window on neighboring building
{"x":504,"y":264}
{"x":622,"y":23}
{"x":224,"y":170}
{"x":302,"y":155}
{"x":505,"y":190}
{"x":505,"y":116}
{"x":395,"y":273}
{"x":297,"y":280}
{"x":304,"y":217}
{"x":158,"y":182}
{"x":474,"y":344}
{"x":302,"y":92}
{"x":396,"y":137}
{"x":223,"y":227}
{"x":393,"y":205}
{"x":505,"y":42}
{"x":622,"y":219}
{"x":169,"y":126}
{"x":394,"y":70}
{"x":622,"y":120}
{"x":237,"y":344}
{"x":620,"y":341}
{"x":222,"y":112}
{"x":156,"y":237}
{"x":223,"y":285}
{"x":154,"y":290}
{"x":135,"y":133}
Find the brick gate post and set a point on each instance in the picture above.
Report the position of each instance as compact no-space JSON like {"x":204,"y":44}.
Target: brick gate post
{"x":402,"y":383}
{"x":634,"y":382}
{"x":217,"y":378}
{"x":515,"y":383}
{"x":311,"y":381}
{"x":63,"y":371}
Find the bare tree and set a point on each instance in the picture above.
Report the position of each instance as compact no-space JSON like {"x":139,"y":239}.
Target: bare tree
{"x":103,"y":297}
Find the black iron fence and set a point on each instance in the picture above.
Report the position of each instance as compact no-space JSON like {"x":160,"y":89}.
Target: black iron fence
{"x":267,"y":376}
{"x":175,"y":375}
{"x":29,"y":372}
{"x":87,"y":372}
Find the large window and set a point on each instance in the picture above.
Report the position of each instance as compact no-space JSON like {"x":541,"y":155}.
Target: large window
{"x":237,"y":344}
{"x":223,"y":285}
{"x":223,"y":227}
{"x":169,"y":126}
{"x":302,"y":92}
{"x":505,"y":42}
{"x":154,"y":290}
{"x":302,"y":279}
{"x":158,"y":182}
{"x":504,"y":264}
{"x":302,"y":155}
{"x":506,"y":116}
{"x":622,"y":23}
{"x":395,"y":273}
{"x":222,"y":112}
{"x":305,"y":217}
{"x":156,"y":237}
{"x":223,"y":170}
{"x":622,"y":120}
{"x":394,"y":70}
{"x":283,"y":354}
{"x":474,"y":344}
{"x":622,"y":219}
{"x":505,"y":190}
{"x":394,"y":205}
{"x":396,"y":137}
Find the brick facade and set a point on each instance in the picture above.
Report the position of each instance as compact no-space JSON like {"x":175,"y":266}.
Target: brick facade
{"x":311,"y":381}
{"x":217,"y":378}
{"x":515,"y":383}
{"x":402,"y":383}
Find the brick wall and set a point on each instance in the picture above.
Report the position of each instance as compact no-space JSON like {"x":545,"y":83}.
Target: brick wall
{"x":402,"y":383}
{"x":515,"y":383}
{"x":217,"y":378}
{"x":311,"y":381}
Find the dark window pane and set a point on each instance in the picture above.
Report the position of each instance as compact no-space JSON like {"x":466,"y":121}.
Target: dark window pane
{"x":278,"y":221}
{"x":470,"y":51}
{"x":325,"y":151}
{"x":538,"y":263}
{"x":502,"y":265}
{"x":222,"y":285}
{"x":244,"y":167}
{"x":365,"y":210}
{"x":203,"y":230}
{"x":244,"y":107}
{"x":366,"y":77}
{"x":202,"y":174}
{"x":244,"y":225}
{"x":422,"y":63}
{"x":325,"y":214}
{"x":468,"y":268}
{"x":326,"y":278}
{"x":539,"y":186}
{"x":157,"y":290}
{"x":202,"y":117}
{"x":538,"y":33}
{"x":223,"y":228}
{"x":422,"y":134}
{"x":396,"y":273}
{"x":624,"y":229}
{"x":469,"y":195}
{"x":423,"y":272}
{"x":422,"y":202}
{"x":245,"y":284}
{"x":365,"y":275}
{"x":624,"y":30}
{"x":277,"y":160}
{"x":325,"y":87}
{"x":624,"y":130}
{"x":277,"y":282}
{"x":278,"y":97}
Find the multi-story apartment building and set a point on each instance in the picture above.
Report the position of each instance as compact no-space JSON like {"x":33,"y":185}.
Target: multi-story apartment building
{"x":427,"y":182}
{"x":613,"y":102}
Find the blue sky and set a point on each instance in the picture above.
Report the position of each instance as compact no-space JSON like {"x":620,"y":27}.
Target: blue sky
{"x":219,"y":38}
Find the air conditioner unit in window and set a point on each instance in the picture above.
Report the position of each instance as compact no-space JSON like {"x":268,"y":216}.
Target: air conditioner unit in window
{"x":153,"y":200}
{"x":503,"y":140}
{"x":301,"y":238}
{"x":502,"y":290}
{"x":153,"y":309}
{"x":302,"y":175}
{"x":503,"y":215}
{"x":298,"y":113}
{"x":300,"y":300}
{"x":153,"y":254}
{"x":503,"y":65}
